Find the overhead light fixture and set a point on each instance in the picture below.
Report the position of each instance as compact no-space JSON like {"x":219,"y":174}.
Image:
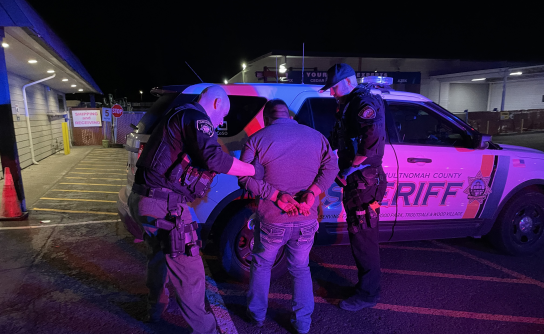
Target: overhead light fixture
{"x":141,"y":92}
{"x":32,"y":61}
{"x":80,"y":90}
{"x":50,"y":71}
{"x":73,"y":85}
{"x":479,"y":79}
{"x":5,"y":45}
{"x":516,"y":73}
{"x":226,"y":81}
{"x":243,"y":66}
{"x":64,"y":79}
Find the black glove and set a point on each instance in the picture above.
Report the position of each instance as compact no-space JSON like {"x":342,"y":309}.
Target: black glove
{"x":259,"y":170}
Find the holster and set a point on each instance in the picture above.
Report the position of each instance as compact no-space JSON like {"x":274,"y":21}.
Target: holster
{"x":182,"y":238}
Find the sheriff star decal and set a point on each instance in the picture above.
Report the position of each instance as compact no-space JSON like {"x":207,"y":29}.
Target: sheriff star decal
{"x":478,"y":188}
{"x":367,"y":113}
{"x":205,"y":127}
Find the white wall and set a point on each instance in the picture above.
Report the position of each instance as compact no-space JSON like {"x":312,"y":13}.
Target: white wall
{"x":468,"y":96}
{"x":46,"y":131}
{"x":520,"y":94}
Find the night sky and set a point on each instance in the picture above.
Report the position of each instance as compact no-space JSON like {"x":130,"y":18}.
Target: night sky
{"x":129,"y":46}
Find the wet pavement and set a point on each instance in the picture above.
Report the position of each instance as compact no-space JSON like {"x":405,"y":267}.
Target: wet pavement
{"x":81,"y":272}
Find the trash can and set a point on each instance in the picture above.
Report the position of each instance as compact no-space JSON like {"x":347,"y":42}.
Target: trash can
{"x":105,"y":143}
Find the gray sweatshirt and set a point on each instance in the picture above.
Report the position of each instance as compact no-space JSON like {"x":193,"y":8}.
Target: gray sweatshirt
{"x":294,"y":157}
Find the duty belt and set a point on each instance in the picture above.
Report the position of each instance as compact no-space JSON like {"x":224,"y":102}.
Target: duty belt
{"x":182,"y":237}
{"x":171,"y":198}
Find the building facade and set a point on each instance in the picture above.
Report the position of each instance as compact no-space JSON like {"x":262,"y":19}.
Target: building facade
{"x":456,"y":85}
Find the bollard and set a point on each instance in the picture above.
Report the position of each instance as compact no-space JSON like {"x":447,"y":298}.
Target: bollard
{"x":66,"y":138}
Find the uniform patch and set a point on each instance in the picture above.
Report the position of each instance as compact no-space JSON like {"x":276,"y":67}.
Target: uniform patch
{"x":367,"y":113}
{"x":205,"y":127}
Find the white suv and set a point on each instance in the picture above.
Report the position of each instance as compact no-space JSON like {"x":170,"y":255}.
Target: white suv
{"x":445,"y":179}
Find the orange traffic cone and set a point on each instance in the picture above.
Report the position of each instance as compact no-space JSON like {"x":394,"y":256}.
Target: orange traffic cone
{"x":11,"y":207}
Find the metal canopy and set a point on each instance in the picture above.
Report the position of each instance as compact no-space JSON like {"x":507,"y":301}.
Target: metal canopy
{"x":29,"y":38}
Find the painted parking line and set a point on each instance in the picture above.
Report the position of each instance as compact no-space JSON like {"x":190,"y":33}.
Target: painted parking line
{"x":442,"y":250}
{"x":86,"y":191}
{"x":74,"y":211}
{"x":54,"y":225}
{"x":87,"y":173}
{"x":459,"y":314}
{"x":433,"y":274}
{"x":96,"y":165}
{"x":92,"y":178}
{"x":409,"y":309}
{"x":96,"y":184}
{"x":117,"y":169}
{"x":77,"y":199}
{"x":491,"y":264}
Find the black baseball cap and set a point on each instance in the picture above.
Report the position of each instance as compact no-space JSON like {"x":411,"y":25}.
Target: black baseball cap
{"x":337,"y":73}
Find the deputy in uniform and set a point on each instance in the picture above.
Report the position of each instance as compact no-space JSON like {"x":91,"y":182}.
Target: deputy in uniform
{"x":359,"y":136}
{"x":177,"y":166}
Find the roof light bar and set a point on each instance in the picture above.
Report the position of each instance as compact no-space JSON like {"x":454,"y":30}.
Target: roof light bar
{"x":516,"y":73}
{"x":387,"y":81}
{"x":479,"y":79}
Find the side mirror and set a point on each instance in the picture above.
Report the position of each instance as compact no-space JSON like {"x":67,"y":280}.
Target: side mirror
{"x":483,"y":141}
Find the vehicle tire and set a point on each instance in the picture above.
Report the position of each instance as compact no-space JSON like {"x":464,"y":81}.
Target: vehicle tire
{"x":236,"y":245}
{"x":519,"y":229}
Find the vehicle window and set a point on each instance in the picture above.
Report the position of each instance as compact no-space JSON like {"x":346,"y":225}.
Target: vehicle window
{"x":164,"y":103}
{"x":318,"y":113}
{"x":416,"y":124}
{"x":242,"y":111}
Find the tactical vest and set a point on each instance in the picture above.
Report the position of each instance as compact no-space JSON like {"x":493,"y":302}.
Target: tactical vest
{"x":350,"y":132}
{"x":170,"y":166}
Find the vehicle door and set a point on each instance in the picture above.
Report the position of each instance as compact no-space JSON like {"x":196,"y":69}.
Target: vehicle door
{"x":317,"y":111}
{"x":441,"y":178}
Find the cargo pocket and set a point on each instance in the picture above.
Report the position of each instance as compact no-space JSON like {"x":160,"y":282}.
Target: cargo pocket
{"x":271,"y":234}
{"x":307,"y":233}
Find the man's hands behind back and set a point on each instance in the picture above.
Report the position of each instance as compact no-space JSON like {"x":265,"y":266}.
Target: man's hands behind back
{"x":289,"y":205}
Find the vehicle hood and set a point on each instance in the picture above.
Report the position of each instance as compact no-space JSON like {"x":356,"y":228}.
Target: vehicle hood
{"x":523,"y":152}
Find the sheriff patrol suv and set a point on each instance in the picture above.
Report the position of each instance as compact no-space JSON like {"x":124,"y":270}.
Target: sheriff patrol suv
{"x":445,"y":179}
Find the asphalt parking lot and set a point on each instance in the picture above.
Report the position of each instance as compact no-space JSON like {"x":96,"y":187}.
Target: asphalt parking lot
{"x":89,"y":188}
{"x":81,"y":272}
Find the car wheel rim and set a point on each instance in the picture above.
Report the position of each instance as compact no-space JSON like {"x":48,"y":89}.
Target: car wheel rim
{"x":528,"y":225}
{"x":245,"y":243}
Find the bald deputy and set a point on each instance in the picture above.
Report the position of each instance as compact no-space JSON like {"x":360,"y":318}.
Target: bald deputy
{"x":182,"y":145}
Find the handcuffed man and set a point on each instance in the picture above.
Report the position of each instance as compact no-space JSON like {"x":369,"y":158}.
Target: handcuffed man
{"x":299,"y":165}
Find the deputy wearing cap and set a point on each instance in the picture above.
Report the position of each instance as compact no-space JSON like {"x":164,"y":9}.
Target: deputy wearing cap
{"x":359,"y":136}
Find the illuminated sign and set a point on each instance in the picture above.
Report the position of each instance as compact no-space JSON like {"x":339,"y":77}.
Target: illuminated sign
{"x":320,"y":77}
{"x":87,"y":118}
